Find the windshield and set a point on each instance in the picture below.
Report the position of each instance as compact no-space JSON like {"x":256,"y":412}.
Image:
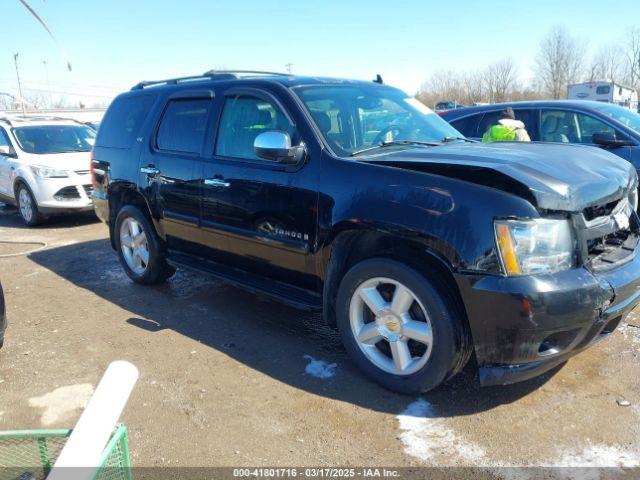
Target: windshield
{"x":353,"y":118}
{"x":625,"y":116}
{"x":45,"y":139}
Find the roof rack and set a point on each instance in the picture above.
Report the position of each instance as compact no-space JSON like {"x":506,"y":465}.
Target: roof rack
{"x":209,"y":75}
{"x":41,"y":118}
{"x":237,"y":73}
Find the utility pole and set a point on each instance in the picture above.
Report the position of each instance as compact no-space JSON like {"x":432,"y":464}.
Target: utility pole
{"x":46,"y":74}
{"x":15,"y":60}
{"x":289,"y":65}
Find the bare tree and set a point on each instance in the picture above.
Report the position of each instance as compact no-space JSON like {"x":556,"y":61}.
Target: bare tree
{"x":37,"y":100}
{"x":559,"y":62}
{"x":500,"y":78}
{"x":444,"y":85}
{"x":474,"y":88}
{"x":496,"y":83}
{"x":608,"y":64}
{"x":633,"y":56}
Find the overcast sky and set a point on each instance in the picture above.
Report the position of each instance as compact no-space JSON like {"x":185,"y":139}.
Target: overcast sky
{"x":114,"y":44}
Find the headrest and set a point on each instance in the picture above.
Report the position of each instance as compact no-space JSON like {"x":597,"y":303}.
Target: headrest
{"x":323,"y":121}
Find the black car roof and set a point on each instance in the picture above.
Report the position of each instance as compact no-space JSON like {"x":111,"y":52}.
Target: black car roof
{"x":589,"y":105}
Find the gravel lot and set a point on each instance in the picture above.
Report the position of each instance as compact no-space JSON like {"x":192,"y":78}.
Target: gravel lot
{"x":231,"y":379}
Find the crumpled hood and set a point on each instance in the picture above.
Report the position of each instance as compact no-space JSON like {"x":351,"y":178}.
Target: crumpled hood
{"x":560,"y":177}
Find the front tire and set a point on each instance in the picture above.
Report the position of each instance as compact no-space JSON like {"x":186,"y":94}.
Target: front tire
{"x":140,"y":250}
{"x":400,"y":327}
{"x":27,"y":206}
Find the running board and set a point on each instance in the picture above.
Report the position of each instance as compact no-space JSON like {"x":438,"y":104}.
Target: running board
{"x":293,"y":296}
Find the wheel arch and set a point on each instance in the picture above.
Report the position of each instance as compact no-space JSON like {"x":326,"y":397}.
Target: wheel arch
{"x":21,"y":180}
{"x":121,"y":194}
{"x":351,"y":246}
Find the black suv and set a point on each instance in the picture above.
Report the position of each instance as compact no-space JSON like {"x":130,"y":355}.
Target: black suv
{"x":422,"y":247}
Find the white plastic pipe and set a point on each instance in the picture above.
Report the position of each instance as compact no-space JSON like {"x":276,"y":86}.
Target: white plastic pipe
{"x":81,"y":454}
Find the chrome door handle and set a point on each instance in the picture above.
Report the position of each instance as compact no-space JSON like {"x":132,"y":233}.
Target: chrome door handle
{"x":150,"y":170}
{"x":217,"y":182}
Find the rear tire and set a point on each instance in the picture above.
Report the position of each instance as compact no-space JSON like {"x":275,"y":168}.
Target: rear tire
{"x":27,"y":206}
{"x":415,"y":341}
{"x":140,"y":250}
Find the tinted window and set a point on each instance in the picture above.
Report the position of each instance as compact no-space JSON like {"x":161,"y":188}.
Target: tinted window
{"x":468,"y":126}
{"x":528,"y":117}
{"x":243,"y":119}
{"x":123,"y":120}
{"x":570,"y":127}
{"x":603,"y":90}
{"x":183,"y":126}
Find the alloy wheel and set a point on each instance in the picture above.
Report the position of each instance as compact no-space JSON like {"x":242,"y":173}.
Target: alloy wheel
{"x":391,"y":326}
{"x":134,"y":245}
{"x":26,"y":206}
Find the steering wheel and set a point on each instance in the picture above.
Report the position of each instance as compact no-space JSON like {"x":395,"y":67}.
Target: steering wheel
{"x":383,"y":133}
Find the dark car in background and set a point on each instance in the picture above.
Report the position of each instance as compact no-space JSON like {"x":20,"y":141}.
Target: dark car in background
{"x":604,"y":125}
{"x":442,"y":107}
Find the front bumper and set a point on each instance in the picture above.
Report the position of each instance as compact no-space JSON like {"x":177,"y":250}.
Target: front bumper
{"x":55,"y":195}
{"x":524,"y":326}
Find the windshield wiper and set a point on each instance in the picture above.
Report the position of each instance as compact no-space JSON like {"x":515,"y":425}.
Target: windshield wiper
{"x":394,"y":143}
{"x":456,"y":139}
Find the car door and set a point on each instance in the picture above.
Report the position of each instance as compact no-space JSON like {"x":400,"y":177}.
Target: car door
{"x":5,"y":164}
{"x":266,"y":211}
{"x":173,"y":166}
{"x":569,"y":126}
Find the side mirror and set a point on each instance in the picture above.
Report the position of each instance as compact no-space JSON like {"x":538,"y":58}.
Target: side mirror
{"x":607,"y":139}
{"x":275,"y":145}
{"x":6,"y":151}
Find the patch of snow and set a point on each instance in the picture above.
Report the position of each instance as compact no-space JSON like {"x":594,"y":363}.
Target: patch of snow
{"x":319,"y":368}
{"x":603,"y":456}
{"x":62,"y":402}
{"x":426,"y":437}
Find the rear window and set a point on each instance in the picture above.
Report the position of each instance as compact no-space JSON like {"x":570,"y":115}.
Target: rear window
{"x":183,"y":126}
{"x":123,"y":120}
{"x":603,"y":90}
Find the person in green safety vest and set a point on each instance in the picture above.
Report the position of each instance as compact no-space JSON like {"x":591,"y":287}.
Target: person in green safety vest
{"x":508,"y":129}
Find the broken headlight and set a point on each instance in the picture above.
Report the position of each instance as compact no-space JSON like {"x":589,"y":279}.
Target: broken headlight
{"x":535,"y":246}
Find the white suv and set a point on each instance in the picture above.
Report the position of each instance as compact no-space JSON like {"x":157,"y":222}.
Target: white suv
{"x":44,"y":166}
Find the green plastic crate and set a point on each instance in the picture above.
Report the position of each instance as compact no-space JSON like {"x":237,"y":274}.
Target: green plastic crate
{"x":30,"y":454}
